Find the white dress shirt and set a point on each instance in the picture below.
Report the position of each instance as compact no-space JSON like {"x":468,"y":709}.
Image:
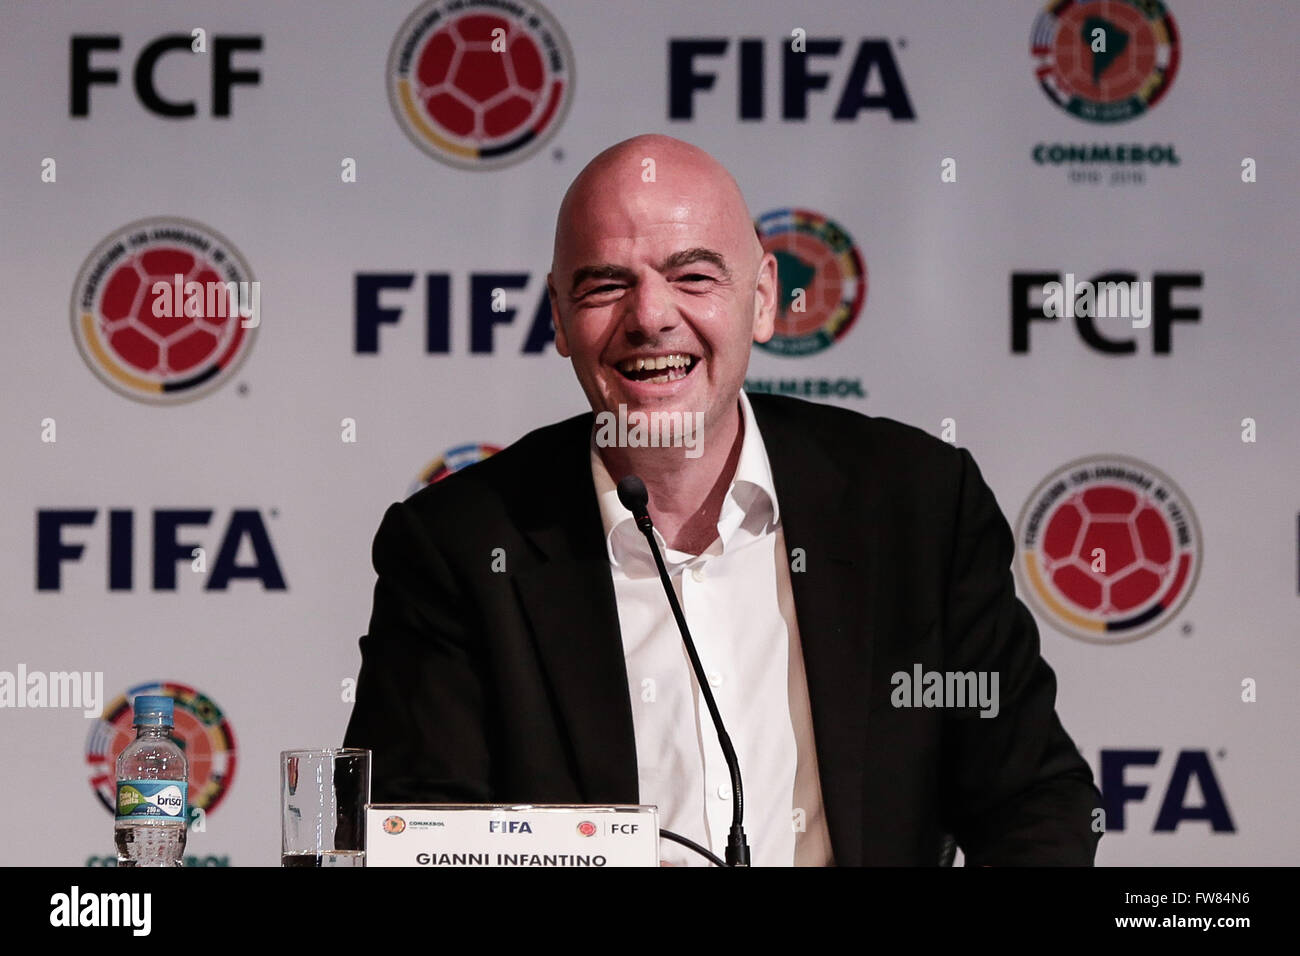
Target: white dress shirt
{"x":738,"y":602}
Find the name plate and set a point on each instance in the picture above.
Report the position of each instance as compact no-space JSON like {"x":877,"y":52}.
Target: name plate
{"x":456,"y":835}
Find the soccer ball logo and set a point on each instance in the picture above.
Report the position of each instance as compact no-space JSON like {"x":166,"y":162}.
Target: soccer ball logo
{"x":470,"y":90}
{"x":154,"y":345}
{"x":1109,"y":549}
{"x":159,"y":345}
{"x":1105,"y":60}
{"x":480,"y":87}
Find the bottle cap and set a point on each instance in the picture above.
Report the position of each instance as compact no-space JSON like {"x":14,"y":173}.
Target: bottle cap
{"x":154,"y":711}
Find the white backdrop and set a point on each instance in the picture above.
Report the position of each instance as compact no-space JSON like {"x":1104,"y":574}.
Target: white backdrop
{"x":932,"y":341}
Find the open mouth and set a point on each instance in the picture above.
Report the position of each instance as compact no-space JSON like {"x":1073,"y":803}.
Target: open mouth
{"x":658,"y":368}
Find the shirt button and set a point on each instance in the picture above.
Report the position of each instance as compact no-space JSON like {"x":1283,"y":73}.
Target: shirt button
{"x":697,"y":574}
{"x":724,"y":792}
{"x":715,"y":679}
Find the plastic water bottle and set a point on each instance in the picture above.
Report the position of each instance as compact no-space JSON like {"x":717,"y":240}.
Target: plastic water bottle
{"x":152,"y":790}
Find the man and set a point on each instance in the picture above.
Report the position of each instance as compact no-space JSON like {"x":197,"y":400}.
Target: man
{"x":521,"y":648}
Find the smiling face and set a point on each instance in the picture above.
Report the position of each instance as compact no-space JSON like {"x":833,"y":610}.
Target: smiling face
{"x":659,"y":288}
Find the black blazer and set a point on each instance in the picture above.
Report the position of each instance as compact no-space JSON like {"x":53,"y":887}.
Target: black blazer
{"x":493,"y":668}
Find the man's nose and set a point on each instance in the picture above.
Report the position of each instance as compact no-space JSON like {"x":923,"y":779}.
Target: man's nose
{"x":649,"y":310}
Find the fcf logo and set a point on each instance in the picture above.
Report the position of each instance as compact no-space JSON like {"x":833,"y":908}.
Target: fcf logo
{"x":480,"y":84}
{"x":156,"y":310}
{"x":1110,"y":549}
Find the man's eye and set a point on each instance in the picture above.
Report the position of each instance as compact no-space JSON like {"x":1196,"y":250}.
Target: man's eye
{"x":597,"y":290}
{"x":695,"y":277}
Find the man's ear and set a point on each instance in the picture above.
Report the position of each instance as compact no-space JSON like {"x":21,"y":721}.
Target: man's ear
{"x":765,"y":292}
{"x":561,"y":342}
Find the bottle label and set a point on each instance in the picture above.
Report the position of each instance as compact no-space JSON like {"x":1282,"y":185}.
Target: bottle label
{"x":163,"y":799}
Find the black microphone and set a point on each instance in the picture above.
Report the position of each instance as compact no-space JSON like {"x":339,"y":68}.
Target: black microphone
{"x":632,"y":492}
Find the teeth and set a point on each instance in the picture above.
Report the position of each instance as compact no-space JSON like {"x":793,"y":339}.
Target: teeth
{"x":672,"y":375}
{"x":675,"y":361}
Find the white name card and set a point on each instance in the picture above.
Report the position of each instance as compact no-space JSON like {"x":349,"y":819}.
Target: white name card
{"x":457,"y":835}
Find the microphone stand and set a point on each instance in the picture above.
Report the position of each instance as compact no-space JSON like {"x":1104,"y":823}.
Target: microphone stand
{"x":632,"y":493}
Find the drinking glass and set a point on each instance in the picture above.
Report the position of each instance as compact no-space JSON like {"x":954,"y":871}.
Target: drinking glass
{"x":323,"y":797}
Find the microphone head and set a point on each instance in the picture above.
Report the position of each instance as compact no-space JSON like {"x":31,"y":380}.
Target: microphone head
{"x":635,"y":498}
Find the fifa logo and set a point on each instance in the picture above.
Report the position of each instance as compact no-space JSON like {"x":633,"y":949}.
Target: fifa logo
{"x":509,"y":826}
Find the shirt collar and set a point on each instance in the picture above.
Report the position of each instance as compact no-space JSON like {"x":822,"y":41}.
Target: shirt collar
{"x":751,"y":497}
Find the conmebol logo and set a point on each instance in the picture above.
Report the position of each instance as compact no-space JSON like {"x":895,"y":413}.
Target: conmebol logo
{"x":1105,"y":61}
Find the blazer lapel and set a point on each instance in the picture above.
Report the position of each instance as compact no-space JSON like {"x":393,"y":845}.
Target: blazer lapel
{"x":834,"y":600}
{"x":569,"y":601}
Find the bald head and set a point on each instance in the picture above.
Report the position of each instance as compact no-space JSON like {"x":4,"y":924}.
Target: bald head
{"x":656,"y":261}
{"x":652,"y":178}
